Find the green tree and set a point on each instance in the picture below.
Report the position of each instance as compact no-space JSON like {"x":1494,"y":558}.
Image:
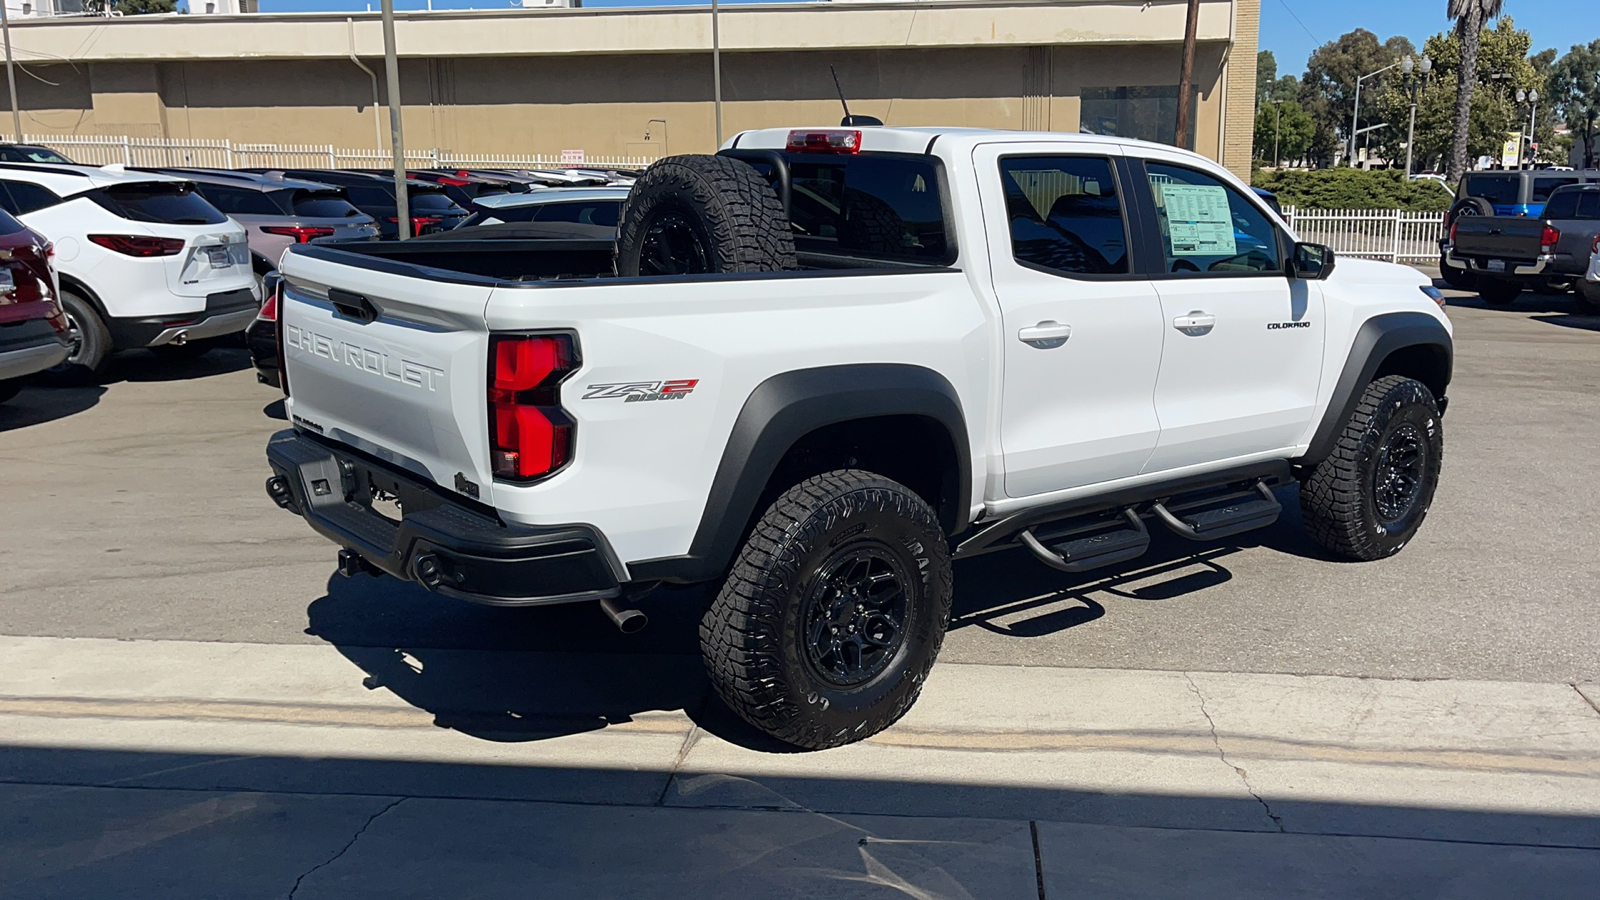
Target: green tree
{"x":1266,"y":74}
{"x":132,"y":7}
{"x":1283,"y":131}
{"x":1573,"y":88}
{"x":1470,"y":16}
{"x":1328,"y":91}
{"x":1504,"y":67}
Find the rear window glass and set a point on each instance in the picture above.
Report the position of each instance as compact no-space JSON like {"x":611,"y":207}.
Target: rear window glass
{"x":591,"y":212}
{"x":171,"y":202}
{"x":369,"y":195}
{"x":879,"y":205}
{"x":1543,"y":186}
{"x":323,"y":205}
{"x":238,"y":201}
{"x":1498,"y":189}
{"x":9,"y":223}
{"x":1589,"y":205}
{"x":431,"y":202}
{"x":1562,"y":205}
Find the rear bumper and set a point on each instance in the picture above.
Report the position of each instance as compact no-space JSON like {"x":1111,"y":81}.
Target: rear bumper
{"x":30,"y":346}
{"x":440,"y":542}
{"x":227,"y":312}
{"x":262,"y":339}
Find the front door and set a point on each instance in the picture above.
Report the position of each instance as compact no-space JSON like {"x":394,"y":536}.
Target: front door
{"x":1242,"y":357}
{"x":1081,"y":332}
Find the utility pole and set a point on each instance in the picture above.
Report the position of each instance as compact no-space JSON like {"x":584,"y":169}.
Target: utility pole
{"x":397,"y":143}
{"x":1186,"y":76}
{"x":11,"y":76}
{"x":716,"y":70}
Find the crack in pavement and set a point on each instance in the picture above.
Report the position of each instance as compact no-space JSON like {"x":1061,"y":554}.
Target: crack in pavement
{"x":346,"y":848}
{"x":1223,"y":755}
{"x":1586,"y":698}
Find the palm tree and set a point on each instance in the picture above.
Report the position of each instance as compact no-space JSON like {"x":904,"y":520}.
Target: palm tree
{"x":1470,"y":16}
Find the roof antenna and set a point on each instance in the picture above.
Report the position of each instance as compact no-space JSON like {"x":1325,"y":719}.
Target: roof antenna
{"x":848,"y":119}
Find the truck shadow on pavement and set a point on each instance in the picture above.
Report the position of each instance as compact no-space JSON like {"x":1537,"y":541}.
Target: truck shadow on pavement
{"x":37,"y":405}
{"x":515,"y":675}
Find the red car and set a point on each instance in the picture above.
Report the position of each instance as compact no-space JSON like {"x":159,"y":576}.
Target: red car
{"x":34,"y":334}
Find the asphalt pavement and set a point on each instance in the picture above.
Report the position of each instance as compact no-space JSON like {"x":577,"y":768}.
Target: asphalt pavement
{"x":135,"y":510}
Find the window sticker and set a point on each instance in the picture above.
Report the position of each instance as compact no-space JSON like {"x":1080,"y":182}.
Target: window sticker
{"x":1199,"y":221}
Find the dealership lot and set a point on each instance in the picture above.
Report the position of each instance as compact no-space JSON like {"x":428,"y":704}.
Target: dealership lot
{"x":135,"y":510}
{"x":192,"y":703}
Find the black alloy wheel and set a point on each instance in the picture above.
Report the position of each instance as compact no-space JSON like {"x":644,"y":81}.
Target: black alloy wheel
{"x":855,"y":614}
{"x":674,"y":244}
{"x":1397,"y":477}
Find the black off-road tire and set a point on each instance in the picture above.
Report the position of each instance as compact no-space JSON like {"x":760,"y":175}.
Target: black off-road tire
{"x":91,"y":353}
{"x":1586,"y":298}
{"x":758,"y":649}
{"x":1455,"y":276}
{"x":1341,"y":498}
{"x":1499,"y":291}
{"x":717,"y":211}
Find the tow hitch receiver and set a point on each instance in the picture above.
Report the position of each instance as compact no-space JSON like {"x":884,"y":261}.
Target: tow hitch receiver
{"x":352,"y":564}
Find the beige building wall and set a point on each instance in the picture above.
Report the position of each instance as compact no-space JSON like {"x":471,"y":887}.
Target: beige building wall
{"x":644,"y":103}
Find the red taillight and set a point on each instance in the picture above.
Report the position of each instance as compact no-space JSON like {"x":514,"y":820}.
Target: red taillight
{"x":1595,"y":248}
{"x":302,"y":234}
{"x":531,"y":434}
{"x":138,"y":244}
{"x":1453,"y":233}
{"x":269,"y":308}
{"x":418,"y":223}
{"x":1548,"y":239}
{"x":825,"y":142}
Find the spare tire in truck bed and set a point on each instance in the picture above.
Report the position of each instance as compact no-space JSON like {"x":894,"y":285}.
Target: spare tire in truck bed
{"x":688,"y":215}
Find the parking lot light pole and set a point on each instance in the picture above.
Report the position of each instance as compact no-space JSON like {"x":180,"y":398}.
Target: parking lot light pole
{"x":396,"y":138}
{"x":716,"y":70}
{"x":11,"y":76}
{"x":1411,"y":131}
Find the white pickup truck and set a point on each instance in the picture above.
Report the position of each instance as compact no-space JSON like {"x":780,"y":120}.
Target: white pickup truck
{"x":823,"y":363}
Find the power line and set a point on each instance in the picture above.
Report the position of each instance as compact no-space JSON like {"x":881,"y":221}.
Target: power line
{"x":1285,"y":5}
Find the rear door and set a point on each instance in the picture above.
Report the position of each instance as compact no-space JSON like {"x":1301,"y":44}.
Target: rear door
{"x":1081,"y":331}
{"x":392,"y":364}
{"x":1242,"y":357}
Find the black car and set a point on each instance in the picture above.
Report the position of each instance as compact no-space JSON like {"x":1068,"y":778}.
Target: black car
{"x":430,"y":207}
{"x":462,"y":186}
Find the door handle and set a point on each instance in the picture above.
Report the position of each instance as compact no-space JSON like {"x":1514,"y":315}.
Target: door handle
{"x":1046,"y":335}
{"x":1195,"y":323}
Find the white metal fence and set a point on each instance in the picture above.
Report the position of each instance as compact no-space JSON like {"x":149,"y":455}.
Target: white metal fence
{"x":1388,"y":234}
{"x":101,"y":150}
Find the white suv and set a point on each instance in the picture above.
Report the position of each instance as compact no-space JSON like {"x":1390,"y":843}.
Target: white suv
{"x":144,"y":261}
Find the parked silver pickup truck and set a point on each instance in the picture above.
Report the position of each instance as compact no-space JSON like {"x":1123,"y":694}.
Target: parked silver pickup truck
{"x":1509,"y":253}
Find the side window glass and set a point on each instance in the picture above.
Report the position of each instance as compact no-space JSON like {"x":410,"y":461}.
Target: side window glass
{"x":1589,"y":205}
{"x":27,"y":197}
{"x":6,"y":201}
{"x":1208,"y":227}
{"x":1065,"y":214}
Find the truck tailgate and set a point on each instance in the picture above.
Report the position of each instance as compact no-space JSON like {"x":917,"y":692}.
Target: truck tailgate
{"x":1498,"y":237}
{"x":392,"y":364}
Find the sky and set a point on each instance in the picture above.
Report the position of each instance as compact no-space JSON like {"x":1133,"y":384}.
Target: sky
{"x":1291,"y":29}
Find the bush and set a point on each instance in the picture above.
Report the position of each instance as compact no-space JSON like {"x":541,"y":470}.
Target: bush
{"x":1346,"y":188}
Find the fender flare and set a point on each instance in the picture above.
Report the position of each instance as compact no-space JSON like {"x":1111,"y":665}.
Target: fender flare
{"x":777,"y":414}
{"x":1376,"y":339}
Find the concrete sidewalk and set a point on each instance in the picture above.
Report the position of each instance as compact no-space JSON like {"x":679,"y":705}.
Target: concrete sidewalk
{"x":176,"y":769}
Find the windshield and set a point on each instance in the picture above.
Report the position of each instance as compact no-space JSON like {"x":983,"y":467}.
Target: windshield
{"x":32,"y":154}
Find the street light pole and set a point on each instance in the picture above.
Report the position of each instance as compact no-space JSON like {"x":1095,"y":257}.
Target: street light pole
{"x":397,"y":144}
{"x":11,"y":77}
{"x":1411,"y":131}
{"x":1533,"y":97}
{"x":1355,"y":116}
{"x":1277,"y":129}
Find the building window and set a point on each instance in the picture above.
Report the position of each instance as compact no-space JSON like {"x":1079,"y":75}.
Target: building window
{"x":1145,"y":113}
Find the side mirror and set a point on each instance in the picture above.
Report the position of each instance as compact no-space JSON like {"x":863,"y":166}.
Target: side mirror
{"x":1312,"y":262}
